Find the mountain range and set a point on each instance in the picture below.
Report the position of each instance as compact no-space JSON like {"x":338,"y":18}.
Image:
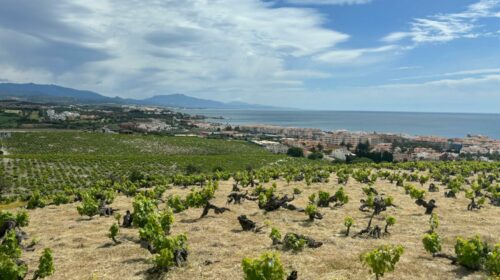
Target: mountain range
{"x":58,"y":94}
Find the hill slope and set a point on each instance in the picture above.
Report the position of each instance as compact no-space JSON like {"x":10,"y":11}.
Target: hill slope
{"x":53,"y":93}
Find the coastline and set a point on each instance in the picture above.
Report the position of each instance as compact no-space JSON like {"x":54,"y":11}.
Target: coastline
{"x":447,"y":125}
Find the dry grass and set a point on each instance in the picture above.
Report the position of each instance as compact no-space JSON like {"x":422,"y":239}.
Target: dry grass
{"x":82,"y":249}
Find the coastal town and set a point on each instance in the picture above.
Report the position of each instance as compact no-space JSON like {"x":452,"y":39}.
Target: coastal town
{"x":339,"y":145}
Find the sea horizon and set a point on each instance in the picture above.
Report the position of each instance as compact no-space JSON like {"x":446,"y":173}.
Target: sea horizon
{"x":441,"y":124}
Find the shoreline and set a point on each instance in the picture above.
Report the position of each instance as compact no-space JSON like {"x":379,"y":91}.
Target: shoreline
{"x":410,"y":124}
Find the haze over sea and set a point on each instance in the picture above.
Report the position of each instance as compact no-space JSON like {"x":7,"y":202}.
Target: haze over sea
{"x":435,"y":124}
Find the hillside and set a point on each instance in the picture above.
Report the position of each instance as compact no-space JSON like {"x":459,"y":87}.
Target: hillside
{"x":217,"y":245}
{"x":57,"y":94}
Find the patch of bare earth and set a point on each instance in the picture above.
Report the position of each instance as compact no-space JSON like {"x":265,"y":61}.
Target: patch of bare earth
{"x":217,"y":245}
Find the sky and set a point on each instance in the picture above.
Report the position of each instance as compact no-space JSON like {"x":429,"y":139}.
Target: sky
{"x":375,"y":55}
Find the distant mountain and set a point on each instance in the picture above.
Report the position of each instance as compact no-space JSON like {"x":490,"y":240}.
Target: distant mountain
{"x":57,"y":94}
{"x":49,"y":93}
{"x":184,"y":101}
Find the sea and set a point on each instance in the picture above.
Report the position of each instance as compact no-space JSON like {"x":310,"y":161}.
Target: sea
{"x":448,"y":125}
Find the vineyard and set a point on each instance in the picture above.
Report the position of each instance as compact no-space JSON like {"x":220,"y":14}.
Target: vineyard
{"x":145,"y":207}
{"x":51,"y":161}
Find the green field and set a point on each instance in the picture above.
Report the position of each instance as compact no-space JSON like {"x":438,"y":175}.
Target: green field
{"x":8,"y":120}
{"x":54,"y":160}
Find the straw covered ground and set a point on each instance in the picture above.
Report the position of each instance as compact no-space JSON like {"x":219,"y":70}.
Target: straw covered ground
{"x":217,"y":245}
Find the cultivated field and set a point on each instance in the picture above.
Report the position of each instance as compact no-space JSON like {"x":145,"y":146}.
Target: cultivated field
{"x":51,"y":161}
{"x":217,"y":244}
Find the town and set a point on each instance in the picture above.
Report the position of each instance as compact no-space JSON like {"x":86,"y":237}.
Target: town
{"x":340,"y":145}
{"x":345,"y":145}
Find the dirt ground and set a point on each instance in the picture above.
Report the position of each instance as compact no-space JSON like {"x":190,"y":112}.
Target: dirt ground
{"x":217,"y":245}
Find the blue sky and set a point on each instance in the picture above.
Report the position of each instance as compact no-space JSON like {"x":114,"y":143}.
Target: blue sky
{"x":384,"y":55}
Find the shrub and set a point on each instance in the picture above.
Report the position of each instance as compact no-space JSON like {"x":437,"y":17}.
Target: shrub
{"x":434,"y":222}
{"x":45,"y":265}
{"x":389,"y":221}
{"x":492,"y":264}
{"x":9,"y":269}
{"x":311,"y":211}
{"x":315,"y":156}
{"x":312,"y":198}
{"x":416,"y":193}
{"x":143,"y":208}
{"x":35,"y":201}
{"x":21,"y":218}
{"x":295,"y":152}
{"x":166,"y":218}
{"x":383,"y":259}
{"x":192,"y":169}
{"x":176,"y":203}
{"x":113,"y":232}
{"x":293,"y":242}
{"x":471,"y":253}
{"x":341,"y":197}
{"x":323,"y":199}
{"x":61,"y":198}
{"x":102,"y":193}
{"x":199,"y":198}
{"x":432,"y":243}
{"x":342,"y":178}
{"x":167,"y":247}
{"x":275,"y":235}
{"x":267,"y":267}
{"x":296,"y":191}
{"x":9,"y":246}
{"x":89,"y":206}
{"x":136,"y":176}
{"x":348,"y":222}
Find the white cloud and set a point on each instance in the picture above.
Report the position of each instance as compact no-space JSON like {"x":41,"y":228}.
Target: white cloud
{"x":328,"y":2}
{"x":396,"y":36}
{"x":142,"y":48}
{"x":447,"y":27}
{"x":350,"y":55}
{"x":456,"y":73}
{"x":468,"y":81}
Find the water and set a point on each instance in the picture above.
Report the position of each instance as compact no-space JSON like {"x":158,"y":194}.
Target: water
{"x":435,"y":124}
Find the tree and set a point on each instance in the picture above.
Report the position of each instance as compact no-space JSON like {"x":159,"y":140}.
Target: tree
{"x":315,"y":155}
{"x":267,"y":267}
{"x":45,"y":265}
{"x":383,"y":259}
{"x":295,"y":152}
